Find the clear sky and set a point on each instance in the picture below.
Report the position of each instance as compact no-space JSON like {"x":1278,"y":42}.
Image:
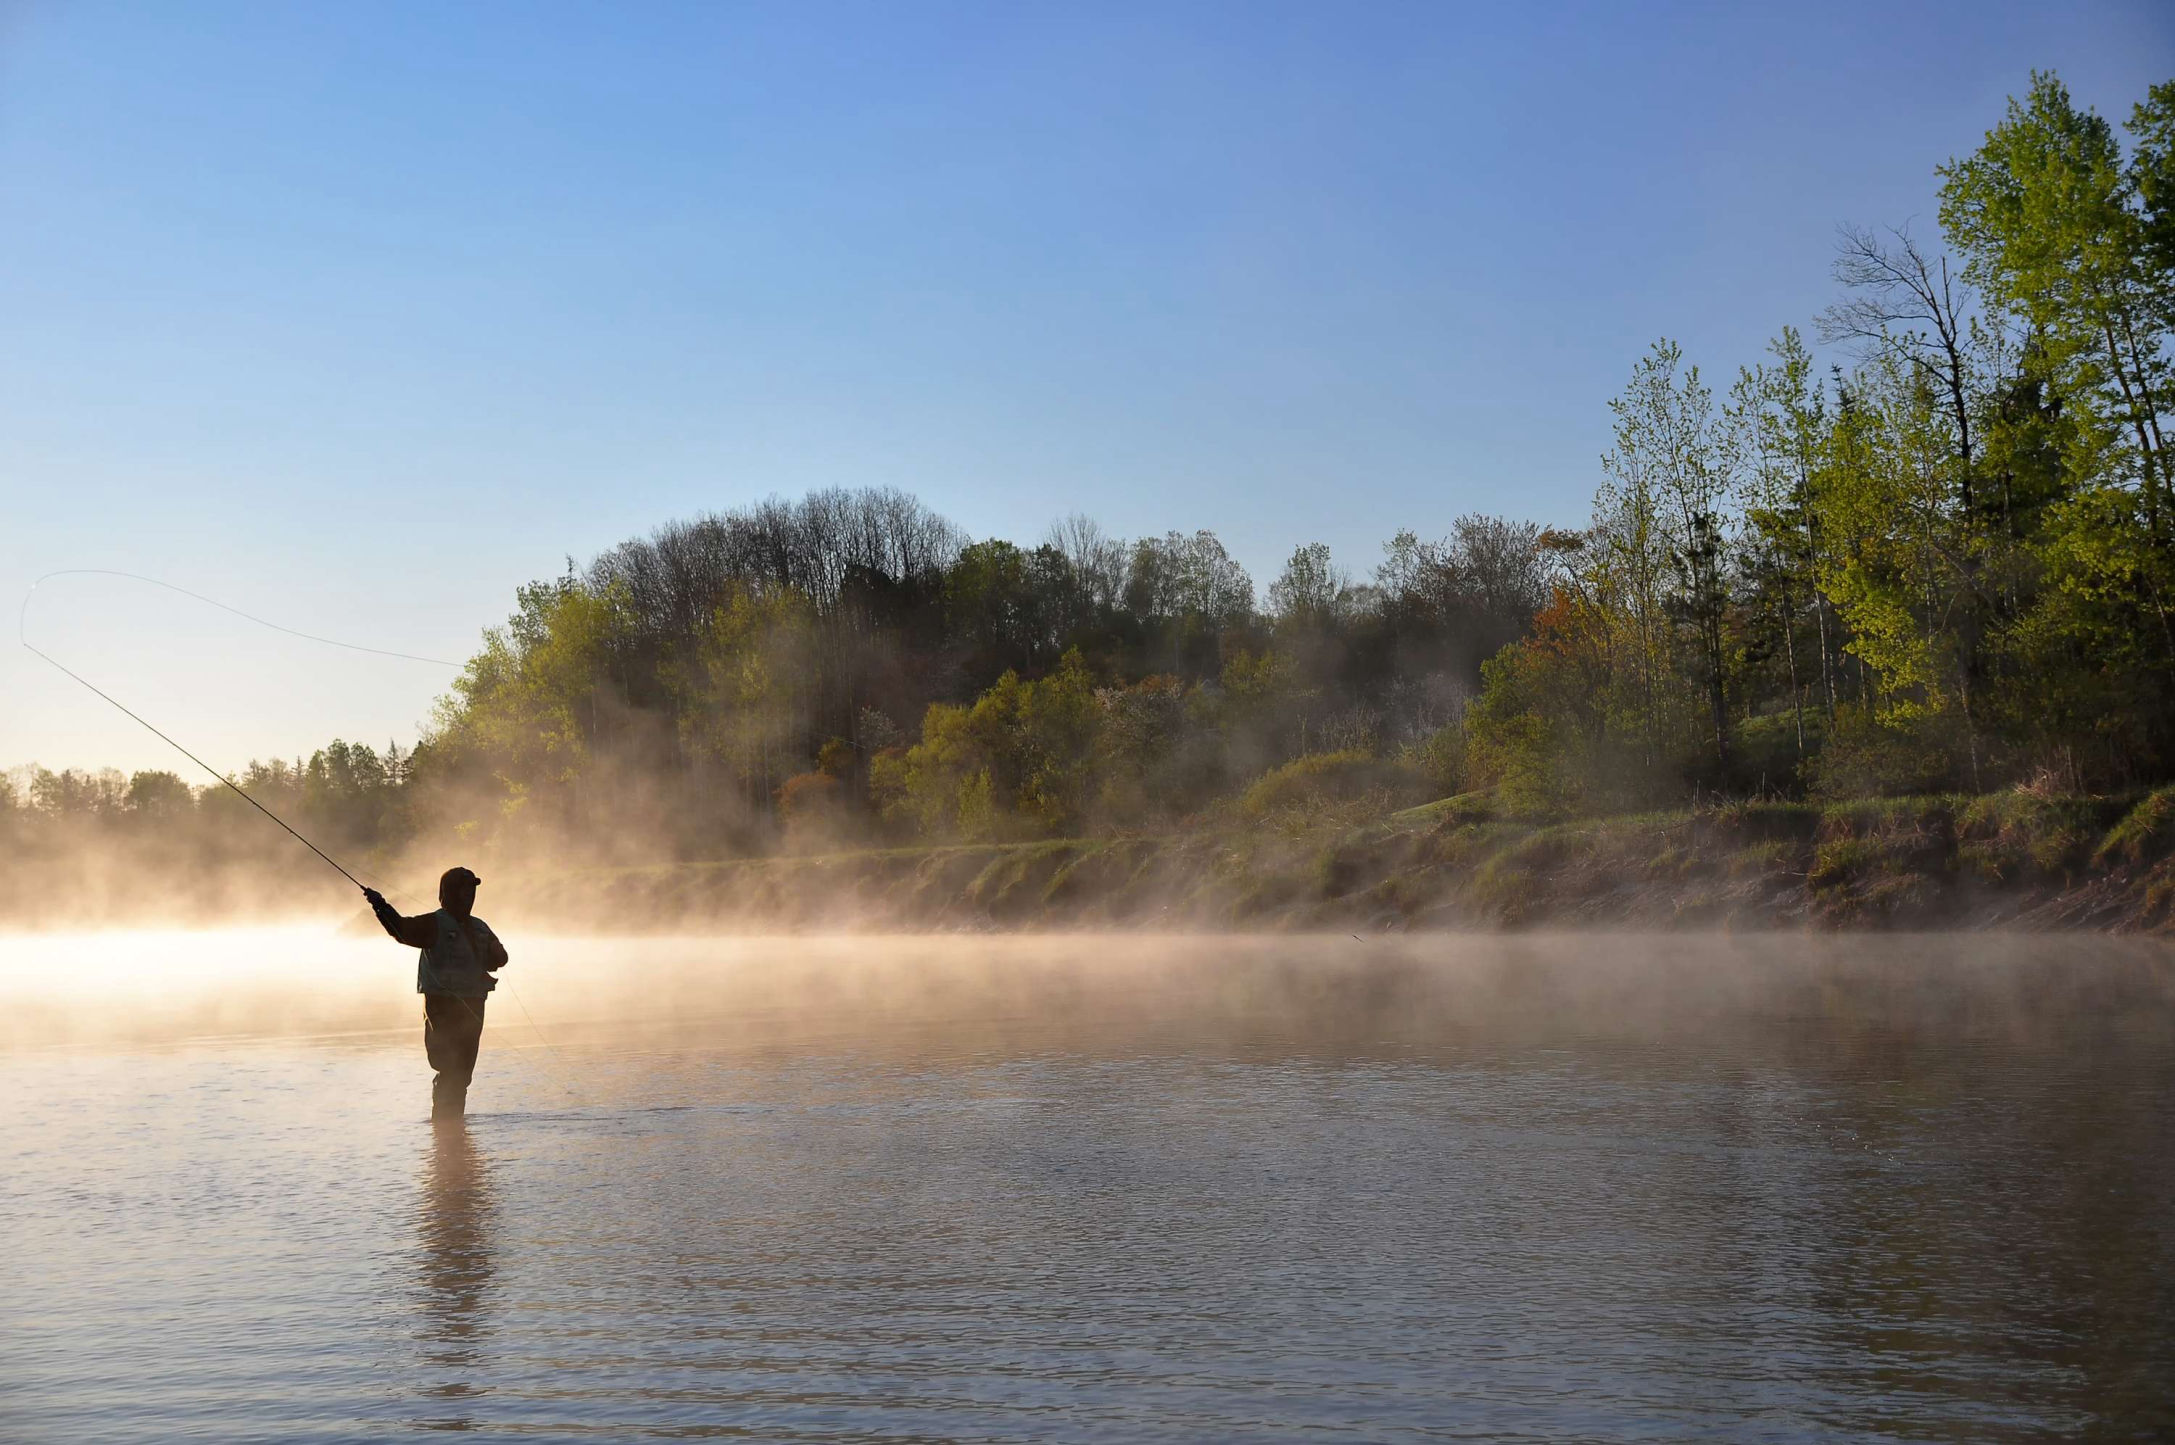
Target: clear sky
{"x":360,"y":315}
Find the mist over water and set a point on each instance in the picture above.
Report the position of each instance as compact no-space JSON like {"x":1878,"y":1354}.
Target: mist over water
{"x":1080,"y":1187}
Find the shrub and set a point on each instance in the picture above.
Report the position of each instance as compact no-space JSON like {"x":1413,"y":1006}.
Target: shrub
{"x":1439,"y":758}
{"x":2006,"y":835}
{"x":1323,"y":779}
{"x":813,"y":808}
{"x":808,"y":795}
{"x":1765,"y":756}
{"x":1013,"y":763}
{"x":2146,"y":831}
{"x":1867,"y":757}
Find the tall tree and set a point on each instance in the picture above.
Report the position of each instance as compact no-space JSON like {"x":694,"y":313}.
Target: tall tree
{"x":1661,"y":514}
{"x":1903,"y":299}
{"x":1778,"y":414}
{"x":2059,"y":230}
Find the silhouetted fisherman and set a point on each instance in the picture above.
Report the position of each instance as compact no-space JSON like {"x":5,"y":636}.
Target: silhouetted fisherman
{"x":453,"y":973}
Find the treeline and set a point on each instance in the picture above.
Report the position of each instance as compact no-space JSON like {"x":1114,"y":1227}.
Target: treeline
{"x":82,"y":846}
{"x":1949,"y":565}
{"x":849,"y":666}
{"x":1939,"y":558}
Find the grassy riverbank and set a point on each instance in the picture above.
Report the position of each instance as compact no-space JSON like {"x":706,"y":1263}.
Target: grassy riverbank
{"x":2012,"y":859}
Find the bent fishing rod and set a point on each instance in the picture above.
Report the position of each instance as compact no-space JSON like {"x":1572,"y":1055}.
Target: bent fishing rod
{"x":22,"y":614}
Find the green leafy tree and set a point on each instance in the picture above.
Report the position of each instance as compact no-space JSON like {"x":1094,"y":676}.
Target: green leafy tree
{"x":1660,"y":520}
{"x":1018,"y":760}
{"x":159,"y":798}
{"x":1779,"y":415}
{"x":530,"y":708}
{"x":2071,"y":240}
{"x":750,"y":689}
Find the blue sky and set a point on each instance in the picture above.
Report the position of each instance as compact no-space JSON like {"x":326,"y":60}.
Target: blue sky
{"x":358,"y":316}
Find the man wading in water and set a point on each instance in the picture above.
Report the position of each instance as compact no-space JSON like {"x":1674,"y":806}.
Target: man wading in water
{"x":460,"y":953}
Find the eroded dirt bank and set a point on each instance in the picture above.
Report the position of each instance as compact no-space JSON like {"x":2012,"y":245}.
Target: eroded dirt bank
{"x":2009,"y":860}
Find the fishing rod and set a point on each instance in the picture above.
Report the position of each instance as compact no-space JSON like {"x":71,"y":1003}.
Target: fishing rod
{"x":207,"y":767}
{"x":22,"y":615}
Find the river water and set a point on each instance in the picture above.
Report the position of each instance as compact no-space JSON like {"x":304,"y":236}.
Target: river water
{"x":1561,"y":1188}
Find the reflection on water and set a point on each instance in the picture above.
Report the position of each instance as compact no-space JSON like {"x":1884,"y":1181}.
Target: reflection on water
{"x":1576,"y":1188}
{"x":453,"y":1223}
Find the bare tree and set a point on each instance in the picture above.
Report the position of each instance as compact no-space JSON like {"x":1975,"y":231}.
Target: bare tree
{"x":1903,"y":298}
{"x":1476,"y":590}
{"x":1908,"y":302}
{"x":1097,"y":560}
{"x":1312,"y":591}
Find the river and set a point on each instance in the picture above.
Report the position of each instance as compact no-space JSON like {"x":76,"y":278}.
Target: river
{"x":1095,"y":1188}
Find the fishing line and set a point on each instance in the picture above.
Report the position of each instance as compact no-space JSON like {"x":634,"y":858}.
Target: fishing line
{"x":22,"y":614}
{"x":558,"y":1059}
{"x":223,"y":607}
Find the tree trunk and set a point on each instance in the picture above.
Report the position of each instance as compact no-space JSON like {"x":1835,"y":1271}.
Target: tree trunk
{"x":1797,"y":691}
{"x":2137,"y":423}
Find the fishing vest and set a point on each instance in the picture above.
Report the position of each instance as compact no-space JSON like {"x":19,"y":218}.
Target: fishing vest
{"x":450,"y":964}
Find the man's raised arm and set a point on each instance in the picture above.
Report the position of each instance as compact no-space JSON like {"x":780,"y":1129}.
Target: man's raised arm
{"x":420,"y":931}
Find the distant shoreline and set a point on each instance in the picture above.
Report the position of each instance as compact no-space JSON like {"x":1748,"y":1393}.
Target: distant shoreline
{"x":2013,"y":861}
